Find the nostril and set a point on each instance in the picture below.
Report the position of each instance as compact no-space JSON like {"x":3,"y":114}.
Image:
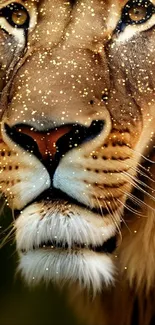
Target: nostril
{"x":25,"y":141}
{"x":96,"y":128}
{"x":78,"y":135}
{"x":53,"y":143}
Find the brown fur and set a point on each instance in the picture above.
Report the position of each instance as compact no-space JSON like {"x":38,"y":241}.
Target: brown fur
{"x":132,"y":299}
{"x":75,"y":72}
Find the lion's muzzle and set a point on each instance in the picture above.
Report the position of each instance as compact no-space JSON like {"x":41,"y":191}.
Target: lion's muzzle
{"x":52,"y":145}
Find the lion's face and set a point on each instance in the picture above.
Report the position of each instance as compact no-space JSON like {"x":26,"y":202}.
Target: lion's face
{"x":77,"y":111}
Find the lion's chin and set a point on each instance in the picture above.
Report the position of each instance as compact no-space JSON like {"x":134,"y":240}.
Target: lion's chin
{"x":90,"y":269}
{"x":61,"y":242}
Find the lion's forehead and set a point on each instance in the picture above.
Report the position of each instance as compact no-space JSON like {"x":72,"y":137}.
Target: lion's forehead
{"x":109,"y":3}
{"x":52,"y":3}
{"x":102,"y":14}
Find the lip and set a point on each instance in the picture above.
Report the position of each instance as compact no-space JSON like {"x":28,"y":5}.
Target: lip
{"x":107,"y":247}
{"x":53,"y":194}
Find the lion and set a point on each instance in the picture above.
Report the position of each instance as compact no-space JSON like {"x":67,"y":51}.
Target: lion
{"x":77,"y":160}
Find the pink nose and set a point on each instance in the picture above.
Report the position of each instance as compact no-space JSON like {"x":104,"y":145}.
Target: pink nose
{"x":46,"y":141}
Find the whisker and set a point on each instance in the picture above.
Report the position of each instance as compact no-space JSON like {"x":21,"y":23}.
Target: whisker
{"x":122,"y":219}
{"x":114,"y":200}
{"x":135,"y":184}
{"x":7,"y":238}
{"x":126,"y":206}
{"x":111,"y":213}
{"x":138,"y":170}
{"x":136,"y":200}
{"x":147,"y":159}
{"x":144,"y":168}
{"x":13,"y":253}
{"x":138,"y":167}
{"x":13,"y":214}
{"x":6,"y":229}
{"x":100,"y":207}
{"x":3,"y":206}
{"x":138,"y":181}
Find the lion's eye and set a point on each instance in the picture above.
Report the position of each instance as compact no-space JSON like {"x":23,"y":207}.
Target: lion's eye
{"x":19,"y":17}
{"x":136,"y":12}
{"x":16,"y":15}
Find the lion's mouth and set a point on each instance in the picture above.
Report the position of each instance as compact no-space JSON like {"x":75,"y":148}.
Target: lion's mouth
{"x":108,"y":247}
{"x":55,"y":195}
{"x":61,"y":239}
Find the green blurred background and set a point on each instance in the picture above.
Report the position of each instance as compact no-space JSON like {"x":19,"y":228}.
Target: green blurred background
{"x":20,"y":305}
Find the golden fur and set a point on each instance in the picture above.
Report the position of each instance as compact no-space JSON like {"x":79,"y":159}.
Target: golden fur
{"x":75,"y":67}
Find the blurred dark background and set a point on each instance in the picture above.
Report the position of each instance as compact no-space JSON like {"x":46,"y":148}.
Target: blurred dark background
{"x":20,"y":305}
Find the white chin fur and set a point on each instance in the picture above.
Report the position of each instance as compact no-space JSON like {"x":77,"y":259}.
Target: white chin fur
{"x":81,"y":226}
{"x":63,"y":223}
{"x":90,"y":269}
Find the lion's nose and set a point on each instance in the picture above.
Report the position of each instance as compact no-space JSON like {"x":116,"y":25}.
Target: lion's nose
{"x":46,"y":141}
{"x":54,"y":142}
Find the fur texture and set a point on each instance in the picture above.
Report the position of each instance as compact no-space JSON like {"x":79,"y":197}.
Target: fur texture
{"x":87,"y":67}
